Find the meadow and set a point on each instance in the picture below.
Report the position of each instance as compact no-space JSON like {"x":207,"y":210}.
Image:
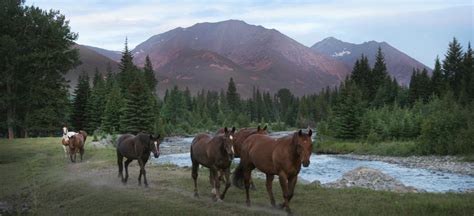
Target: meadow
{"x":36,"y":177}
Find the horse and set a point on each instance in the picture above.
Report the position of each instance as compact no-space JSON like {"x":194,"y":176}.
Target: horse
{"x":65,"y":140}
{"x":136,"y":148}
{"x":282,"y":157}
{"x":239,"y":139}
{"x":76,"y":144}
{"x":215,"y":153}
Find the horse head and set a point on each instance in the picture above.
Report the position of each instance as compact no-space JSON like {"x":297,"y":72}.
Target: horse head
{"x":228,"y":145}
{"x":262,"y":130}
{"x":65,"y":131}
{"x":155,"y":145}
{"x":303,"y":145}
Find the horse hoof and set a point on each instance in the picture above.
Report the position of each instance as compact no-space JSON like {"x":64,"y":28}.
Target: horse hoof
{"x":196,"y":195}
{"x":146,"y":185}
{"x":248,"y":203}
{"x":281,"y":205}
{"x":252,"y":187}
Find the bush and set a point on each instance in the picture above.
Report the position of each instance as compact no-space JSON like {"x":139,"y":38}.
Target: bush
{"x":445,"y":129}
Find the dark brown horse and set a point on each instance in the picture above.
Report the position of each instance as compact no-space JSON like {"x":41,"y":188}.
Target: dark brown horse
{"x":136,"y":148}
{"x":76,"y":145}
{"x":239,"y":139}
{"x":282,"y":157}
{"x":241,"y":135}
{"x":215,"y":153}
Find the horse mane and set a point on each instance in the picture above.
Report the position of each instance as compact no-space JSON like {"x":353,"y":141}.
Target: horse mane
{"x":144,"y":139}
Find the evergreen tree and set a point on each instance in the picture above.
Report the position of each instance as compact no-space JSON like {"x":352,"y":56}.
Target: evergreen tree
{"x":437,"y":79}
{"x":112,"y":113}
{"x":233,"y":98}
{"x":96,"y":103}
{"x":137,"y":112}
{"x":452,"y":66}
{"x":467,"y":88}
{"x":348,"y":111}
{"x":378,"y":76}
{"x":36,"y":49}
{"x":81,"y":93}
{"x":128,"y":70}
{"x":150,"y":74}
{"x":361,"y":75}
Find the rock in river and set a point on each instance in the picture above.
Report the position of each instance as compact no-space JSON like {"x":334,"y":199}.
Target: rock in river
{"x":370,"y":178}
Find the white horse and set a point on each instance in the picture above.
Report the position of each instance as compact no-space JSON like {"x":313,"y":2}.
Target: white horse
{"x":66,"y":136}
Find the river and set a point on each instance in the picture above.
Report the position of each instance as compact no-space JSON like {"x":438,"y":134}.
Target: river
{"x":329,"y":168}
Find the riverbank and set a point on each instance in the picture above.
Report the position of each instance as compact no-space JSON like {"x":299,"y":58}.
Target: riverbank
{"x":451,"y":164}
{"x":36,"y":179}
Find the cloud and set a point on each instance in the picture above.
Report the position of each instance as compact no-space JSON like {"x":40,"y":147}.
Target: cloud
{"x":106,"y":23}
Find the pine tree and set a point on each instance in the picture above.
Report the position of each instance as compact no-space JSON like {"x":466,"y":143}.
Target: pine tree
{"x":149,"y":74}
{"x":452,"y":66}
{"x":113,"y":112}
{"x":378,"y":75}
{"x":361,"y":75}
{"x":95,"y":105}
{"x":437,"y":79}
{"x":233,"y":98}
{"x":467,"y":89}
{"x":348,"y":111}
{"x":137,"y":112}
{"x":128,"y":70}
{"x":36,"y":49}
{"x":82,"y":93}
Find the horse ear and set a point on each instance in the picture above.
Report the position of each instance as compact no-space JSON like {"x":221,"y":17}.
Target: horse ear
{"x":233,"y":129}
{"x":310,"y":132}
{"x":151,"y":136}
{"x":265,"y":128}
{"x":158,"y":136}
{"x":300,"y":132}
{"x":258,"y":128}
{"x":225,"y":130}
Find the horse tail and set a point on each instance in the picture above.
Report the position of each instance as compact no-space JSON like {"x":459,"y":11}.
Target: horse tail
{"x":84,"y":134}
{"x":238,"y":176}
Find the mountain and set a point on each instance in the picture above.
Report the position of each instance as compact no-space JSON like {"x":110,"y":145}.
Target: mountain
{"x":90,"y":60}
{"x":257,"y":56}
{"x":114,"y":55}
{"x":399,"y":64}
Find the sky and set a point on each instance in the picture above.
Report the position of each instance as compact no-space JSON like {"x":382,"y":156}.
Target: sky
{"x":420,"y":28}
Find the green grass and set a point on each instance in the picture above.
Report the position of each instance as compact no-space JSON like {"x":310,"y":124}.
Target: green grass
{"x":34,"y":172}
{"x":389,"y":148}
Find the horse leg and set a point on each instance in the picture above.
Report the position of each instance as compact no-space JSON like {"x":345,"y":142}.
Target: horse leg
{"x":82,"y":153}
{"x":269,"y":188}
{"x":284,"y":187}
{"x":194,"y":174}
{"x":120,"y":164}
{"x":124,"y":180}
{"x":211,"y":178}
{"x":227,"y":182}
{"x":247,"y":174}
{"x":217,"y":183}
{"x":65,"y":151}
{"x":142,"y":172}
{"x":291,"y":186}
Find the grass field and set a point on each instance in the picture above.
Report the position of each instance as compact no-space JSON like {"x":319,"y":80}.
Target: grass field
{"x":34,"y":173}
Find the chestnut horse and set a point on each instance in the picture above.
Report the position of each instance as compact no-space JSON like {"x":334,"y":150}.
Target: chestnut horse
{"x":136,"y":148}
{"x":282,"y":157}
{"x":239,"y":139}
{"x":76,"y":145}
{"x":215,"y":153}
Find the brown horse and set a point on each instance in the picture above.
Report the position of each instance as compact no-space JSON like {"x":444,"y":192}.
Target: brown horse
{"x":136,"y":148}
{"x":215,"y":153}
{"x":282,"y":157}
{"x":241,"y":135}
{"x":76,"y":145}
{"x":239,"y":139}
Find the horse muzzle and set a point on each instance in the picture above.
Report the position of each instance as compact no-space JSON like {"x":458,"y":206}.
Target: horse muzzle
{"x":156,"y":155}
{"x":306,"y":163}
